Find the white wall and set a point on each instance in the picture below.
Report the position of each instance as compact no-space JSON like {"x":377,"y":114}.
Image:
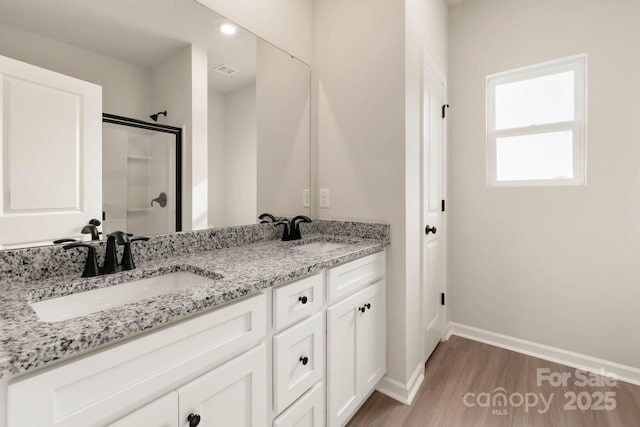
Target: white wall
{"x":199,"y":138}
{"x":126,"y":88}
{"x":180,"y":87}
{"x":367,"y":135}
{"x":241,"y":157}
{"x":216,"y":154}
{"x":545,"y":263}
{"x":283,"y":118}
{"x":287,"y":24}
{"x":233,"y":158}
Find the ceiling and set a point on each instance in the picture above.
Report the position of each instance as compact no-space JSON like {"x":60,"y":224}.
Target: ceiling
{"x":140,"y":32}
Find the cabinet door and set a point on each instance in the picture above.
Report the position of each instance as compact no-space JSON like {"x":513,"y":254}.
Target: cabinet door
{"x":356,"y":350}
{"x":371,"y":338}
{"x":50,"y":154}
{"x":233,"y":395}
{"x":342,"y":358}
{"x":159,"y":413}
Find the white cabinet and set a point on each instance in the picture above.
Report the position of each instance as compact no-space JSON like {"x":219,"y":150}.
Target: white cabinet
{"x":160,"y":413}
{"x":101,"y":387}
{"x":233,"y":395}
{"x":228,"y":367}
{"x":355,"y":351}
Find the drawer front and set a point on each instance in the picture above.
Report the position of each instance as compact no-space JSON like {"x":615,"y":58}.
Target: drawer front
{"x":347,"y":278}
{"x":102,"y":387}
{"x":308,"y":411}
{"x":298,"y":360}
{"x":297,"y":300}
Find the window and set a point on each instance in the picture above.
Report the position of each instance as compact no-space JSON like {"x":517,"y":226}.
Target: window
{"x":536,"y":124}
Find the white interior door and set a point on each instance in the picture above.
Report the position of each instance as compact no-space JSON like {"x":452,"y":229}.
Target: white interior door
{"x":50,"y":154}
{"x":433,"y":222}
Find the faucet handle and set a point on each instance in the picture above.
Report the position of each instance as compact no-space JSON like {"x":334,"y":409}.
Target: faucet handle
{"x":267,"y":218}
{"x":57,"y":242}
{"x":91,"y":264}
{"x":127,"y":256}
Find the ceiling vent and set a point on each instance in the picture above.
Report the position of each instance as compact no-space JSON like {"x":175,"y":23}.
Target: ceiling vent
{"x":226,"y":70}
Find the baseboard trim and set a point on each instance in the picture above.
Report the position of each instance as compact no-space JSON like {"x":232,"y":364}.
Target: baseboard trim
{"x":403,"y":393}
{"x":595,"y":365}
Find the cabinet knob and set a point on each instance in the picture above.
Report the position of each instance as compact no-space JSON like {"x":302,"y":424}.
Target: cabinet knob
{"x":304,"y":360}
{"x":429,"y":229}
{"x":368,"y":306}
{"x":303,"y":299}
{"x":194,"y":420}
{"x":362,"y":309}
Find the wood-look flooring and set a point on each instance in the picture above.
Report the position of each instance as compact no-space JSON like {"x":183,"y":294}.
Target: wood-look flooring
{"x":460,"y":366}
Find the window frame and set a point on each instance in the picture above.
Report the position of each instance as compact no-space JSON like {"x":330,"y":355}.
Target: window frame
{"x":577,"y":64}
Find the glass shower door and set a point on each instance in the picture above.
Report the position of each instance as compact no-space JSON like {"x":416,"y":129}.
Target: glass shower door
{"x":140,"y":190}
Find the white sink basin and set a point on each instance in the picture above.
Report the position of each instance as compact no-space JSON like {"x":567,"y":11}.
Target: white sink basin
{"x":83,"y":303}
{"x":318,"y":247}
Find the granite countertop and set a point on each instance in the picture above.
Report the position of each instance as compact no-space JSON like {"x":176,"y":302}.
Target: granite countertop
{"x":27,"y":343}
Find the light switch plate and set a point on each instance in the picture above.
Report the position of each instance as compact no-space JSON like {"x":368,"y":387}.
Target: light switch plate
{"x":324,"y":198}
{"x":306,"y":198}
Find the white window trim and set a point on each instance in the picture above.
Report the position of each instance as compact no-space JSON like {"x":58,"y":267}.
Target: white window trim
{"x":577,"y":64}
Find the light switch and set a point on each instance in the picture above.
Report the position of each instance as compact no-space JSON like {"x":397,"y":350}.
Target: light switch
{"x":306,"y":198}
{"x":324,"y":198}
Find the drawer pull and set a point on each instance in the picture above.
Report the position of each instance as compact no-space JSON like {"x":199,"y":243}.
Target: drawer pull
{"x":194,"y":420}
{"x":303,"y":299}
{"x":304,"y":360}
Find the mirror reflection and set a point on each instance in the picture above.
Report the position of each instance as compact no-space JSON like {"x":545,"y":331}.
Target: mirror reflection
{"x":241,"y":106}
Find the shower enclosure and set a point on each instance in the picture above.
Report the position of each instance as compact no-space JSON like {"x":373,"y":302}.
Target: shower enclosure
{"x":141,"y":176}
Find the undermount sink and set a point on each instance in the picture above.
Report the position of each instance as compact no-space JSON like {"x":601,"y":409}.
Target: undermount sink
{"x":83,"y":303}
{"x":318,"y":247}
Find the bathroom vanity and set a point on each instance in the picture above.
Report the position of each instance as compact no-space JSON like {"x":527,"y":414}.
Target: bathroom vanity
{"x":277,"y":333}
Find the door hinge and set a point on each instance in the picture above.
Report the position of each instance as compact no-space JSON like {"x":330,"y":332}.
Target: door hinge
{"x":444,"y":109}
{"x":442,"y":205}
{"x":442,"y":298}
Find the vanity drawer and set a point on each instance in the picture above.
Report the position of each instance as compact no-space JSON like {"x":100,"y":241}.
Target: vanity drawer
{"x":308,"y":411}
{"x":347,"y":278}
{"x":298,"y":360}
{"x":105,"y":385}
{"x":296,"y":301}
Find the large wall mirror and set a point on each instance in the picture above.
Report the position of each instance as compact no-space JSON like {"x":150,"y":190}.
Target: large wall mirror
{"x":240,"y":105}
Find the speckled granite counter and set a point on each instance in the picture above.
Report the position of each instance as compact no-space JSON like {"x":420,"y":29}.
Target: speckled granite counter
{"x":27,"y":343}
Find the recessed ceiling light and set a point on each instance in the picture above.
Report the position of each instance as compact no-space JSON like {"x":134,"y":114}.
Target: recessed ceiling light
{"x":228,"y":29}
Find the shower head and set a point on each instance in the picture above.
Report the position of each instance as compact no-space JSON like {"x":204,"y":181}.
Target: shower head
{"x":154,"y":117}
